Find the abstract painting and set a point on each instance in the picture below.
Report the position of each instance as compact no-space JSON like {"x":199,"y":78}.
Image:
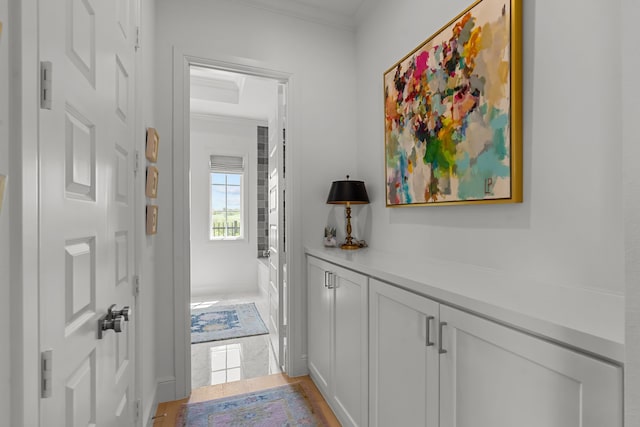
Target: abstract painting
{"x":453,"y":131}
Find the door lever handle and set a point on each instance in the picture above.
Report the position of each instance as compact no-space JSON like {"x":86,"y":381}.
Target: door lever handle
{"x":114,"y":320}
{"x":106,"y":323}
{"x":124,"y":312}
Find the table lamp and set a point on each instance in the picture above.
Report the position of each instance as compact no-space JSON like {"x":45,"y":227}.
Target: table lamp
{"x":347,"y":192}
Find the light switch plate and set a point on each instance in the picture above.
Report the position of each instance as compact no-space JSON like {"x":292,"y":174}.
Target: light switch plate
{"x":3,"y":180}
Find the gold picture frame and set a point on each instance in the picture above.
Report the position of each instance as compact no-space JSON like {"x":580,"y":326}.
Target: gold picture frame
{"x":151,"y":190}
{"x":151,"y":149}
{"x":152,"y":219}
{"x":453,"y":112}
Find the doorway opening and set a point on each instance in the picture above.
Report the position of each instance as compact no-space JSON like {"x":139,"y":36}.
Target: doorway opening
{"x":237,"y":263}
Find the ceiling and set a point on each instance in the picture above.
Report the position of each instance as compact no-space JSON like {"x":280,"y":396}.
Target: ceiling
{"x":222,"y":93}
{"x":341,"y":13}
{"x":343,"y":7}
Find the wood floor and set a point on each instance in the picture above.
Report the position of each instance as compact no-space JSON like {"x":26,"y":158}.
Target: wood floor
{"x":168,"y":411}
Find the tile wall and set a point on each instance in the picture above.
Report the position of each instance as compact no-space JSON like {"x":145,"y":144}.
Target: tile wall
{"x":263,"y":189}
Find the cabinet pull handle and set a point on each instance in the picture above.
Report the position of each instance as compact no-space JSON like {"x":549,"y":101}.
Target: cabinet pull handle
{"x":429,"y":342}
{"x":331,"y":280}
{"x":326,"y":282}
{"x":440,"y":349}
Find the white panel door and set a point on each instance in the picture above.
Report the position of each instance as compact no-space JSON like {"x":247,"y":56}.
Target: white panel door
{"x":495,"y":376}
{"x":403,"y":358}
{"x":276,"y":231}
{"x":86,"y":255}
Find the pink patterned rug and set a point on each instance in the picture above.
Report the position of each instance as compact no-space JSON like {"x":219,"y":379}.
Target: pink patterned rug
{"x":280,"y":406}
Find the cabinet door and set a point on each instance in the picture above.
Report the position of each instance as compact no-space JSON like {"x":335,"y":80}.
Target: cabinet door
{"x":319,"y":324}
{"x":350,"y":347}
{"x":495,"y":376}
{"x":403,"y":374}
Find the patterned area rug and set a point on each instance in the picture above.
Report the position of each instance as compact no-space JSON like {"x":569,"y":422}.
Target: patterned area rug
{"x":281,"y":406}
{"x":226,"y":322}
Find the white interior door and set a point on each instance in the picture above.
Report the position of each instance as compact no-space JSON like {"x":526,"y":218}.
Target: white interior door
{"x":276,"y":231}
{"x":86,"y":254}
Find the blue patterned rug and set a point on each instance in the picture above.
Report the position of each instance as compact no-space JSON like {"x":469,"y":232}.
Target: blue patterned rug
{"x":287,"y":405}
{"x":226,"y":322}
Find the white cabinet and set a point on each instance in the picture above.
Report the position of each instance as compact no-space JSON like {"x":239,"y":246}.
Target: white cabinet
{"x":338,"y":338}
{"x":319,"y":301}
{"x":403,"y":358}
{"x":492,"y":375}
{"x":432,"y":365}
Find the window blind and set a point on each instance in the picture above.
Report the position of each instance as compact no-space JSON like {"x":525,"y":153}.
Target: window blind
{"x":227,"y":164}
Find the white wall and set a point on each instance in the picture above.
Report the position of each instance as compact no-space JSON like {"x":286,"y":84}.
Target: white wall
{"x":145,"y":249}
{"x":219,"y":266}
{"x":631,"y":185}
{"x":5,"y":368}
{"x":322,"y":129}
{"x":569,"y":230}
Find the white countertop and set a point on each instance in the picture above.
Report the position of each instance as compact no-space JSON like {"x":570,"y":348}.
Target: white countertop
{"x":589,"y":320}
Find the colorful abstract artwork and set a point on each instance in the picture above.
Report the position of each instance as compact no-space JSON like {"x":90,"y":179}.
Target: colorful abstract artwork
{"x":453,"y":113}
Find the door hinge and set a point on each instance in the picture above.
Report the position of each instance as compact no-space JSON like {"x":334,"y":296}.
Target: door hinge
{"x":136,"y":285}
{"x":46,"y":85}
{"x":46,"y":373}
{"x":136,"y":163}
{"x":137,"y":46}
{"x":136,"y":410}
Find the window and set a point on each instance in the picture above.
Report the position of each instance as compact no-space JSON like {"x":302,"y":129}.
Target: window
{"x":227,"y":213}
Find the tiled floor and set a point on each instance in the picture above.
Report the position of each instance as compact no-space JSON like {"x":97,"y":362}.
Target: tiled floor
{"x":219,"y":362}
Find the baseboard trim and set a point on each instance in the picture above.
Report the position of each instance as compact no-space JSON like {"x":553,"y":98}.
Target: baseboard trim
{"x":300,"y":368}
{"x":166,"y":389}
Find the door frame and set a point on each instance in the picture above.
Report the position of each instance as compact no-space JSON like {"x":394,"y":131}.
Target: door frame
{"x":182,"y":61}
{"x":24,"y":204}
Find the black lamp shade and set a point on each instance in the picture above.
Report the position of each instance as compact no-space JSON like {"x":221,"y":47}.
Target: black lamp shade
{"x":347,"y":191}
